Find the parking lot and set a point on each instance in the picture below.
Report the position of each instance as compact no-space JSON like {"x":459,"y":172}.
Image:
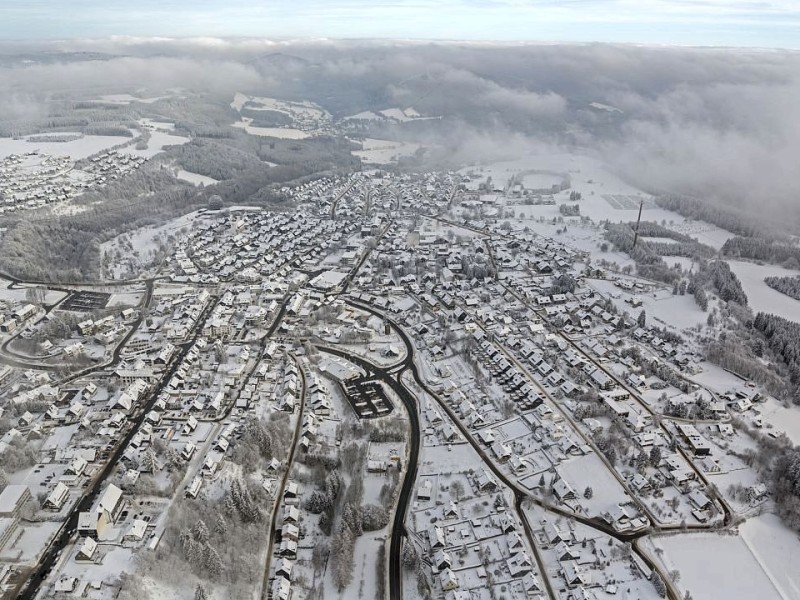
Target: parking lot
{"x":367,"y":398}
{"x":83,"y":301}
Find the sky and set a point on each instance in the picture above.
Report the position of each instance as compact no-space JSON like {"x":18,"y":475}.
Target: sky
{"x":745,"y":23}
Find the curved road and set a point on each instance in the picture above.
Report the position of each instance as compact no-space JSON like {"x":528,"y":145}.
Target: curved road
{"x":519,"y":494}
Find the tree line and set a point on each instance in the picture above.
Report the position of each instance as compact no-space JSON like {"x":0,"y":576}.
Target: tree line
{"x":783,"y":337}
{"x":785,"y":285}
{"x":767,"y":250}
{"x":735,"y":221}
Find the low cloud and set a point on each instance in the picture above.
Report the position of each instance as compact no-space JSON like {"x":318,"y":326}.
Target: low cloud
{"x":723,"y":124}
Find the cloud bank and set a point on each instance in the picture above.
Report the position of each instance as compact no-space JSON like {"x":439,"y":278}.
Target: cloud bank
{"x":723,"y":124}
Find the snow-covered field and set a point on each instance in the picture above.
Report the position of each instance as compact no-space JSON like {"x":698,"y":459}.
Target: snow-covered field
{"x":777,"y":551}
{"x":76,"y":149}
{"x":158,"y":140}
{"x":661,"y":307}
{"x":760,"y":296}
{"x":384,"y":151}
{"x":713,"y":566}
{"x":717,"y":379}
{"x":589,"y":471}
{"x":540,"y":181}
{"x":303,"y":109}
{"x":145,"y":242}
{"x":605,"y":195}
{"x":195,"y":178}
{"x":152,"y":124}
{"x":276,"y":132}
{"x":782,"y":419}
{"x":125,"y":99}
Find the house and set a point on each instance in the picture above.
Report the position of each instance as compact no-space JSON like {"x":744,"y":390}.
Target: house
{"x":288,"y":548}
{"x":194,"y":487}
{"x":502,"y":452}
{"x":457,"y":595}
{"x":290,"y":532}
{"x":441,"y":560}
{"x":57,"y":498}
{"x":281,"y":588}
{"x":209,"y":467}
{"x":111,"y":504}
{"x":291,"y":491}
{"x":448,"y":580}
{"x":284,"y":569}
{"x":601,"y":380}
{"x":66,"y":585}
{"x":77,"y":466}
{"x":563,"y":491}
{"x":136,"y":531}
{"x":87,"y":550}
{"x":519,"y":564}
{"x":574,"y":574}
{"x":424,"y":490}
{"x":699,"y":500}
{"x":188,"y":450}
{"x":190,"y":425}
{"x":485,"y":482}
{"x":436,"y":537}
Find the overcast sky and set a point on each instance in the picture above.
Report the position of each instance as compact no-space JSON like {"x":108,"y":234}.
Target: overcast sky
{"x":759,"y":23}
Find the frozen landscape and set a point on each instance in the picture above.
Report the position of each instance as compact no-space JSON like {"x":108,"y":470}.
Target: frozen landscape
{"x":288,"y":320}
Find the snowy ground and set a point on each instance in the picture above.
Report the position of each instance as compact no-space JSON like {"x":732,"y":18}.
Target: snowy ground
{"x":276,"y":132}
{"x":777,"y":550}
{"x":125,"y":99}
{"x":661,"y":307}
{"x":706,"y":562}
{"x":760,"y":296}
{"x":76,"y":149}
{"x":717,"y":379}
{"x":195,"y":178}
{"x":786,"y":420}
{"x":384,"y":151}
{"x":605,"y":195}
{"x":158,"y":140}
{"x":589,"y":471}
{"x":145,"y":242}
{"x":304,"y":109}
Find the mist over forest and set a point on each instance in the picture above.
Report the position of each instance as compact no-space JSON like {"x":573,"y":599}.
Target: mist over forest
{"x":721,"y":124}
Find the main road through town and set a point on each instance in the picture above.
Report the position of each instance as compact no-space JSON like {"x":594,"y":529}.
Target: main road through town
{"x":30,"y":588}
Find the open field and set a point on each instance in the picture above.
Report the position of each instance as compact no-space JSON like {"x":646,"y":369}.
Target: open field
{"x":707,"y":561}
{"x":760,"y":296}
{"x":76,"y":149}
{"x":276,"y":132}
{"x":384,"y":151}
